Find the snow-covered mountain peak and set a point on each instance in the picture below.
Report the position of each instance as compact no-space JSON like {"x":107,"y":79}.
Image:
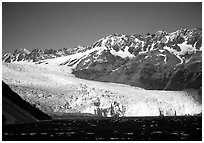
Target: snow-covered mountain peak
{"x":22,"y":51}
{"x":178,"y":43}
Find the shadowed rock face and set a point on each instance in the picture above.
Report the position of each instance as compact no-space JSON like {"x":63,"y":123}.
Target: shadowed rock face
{"x":152,"y":73}
{"x":15,"y":109}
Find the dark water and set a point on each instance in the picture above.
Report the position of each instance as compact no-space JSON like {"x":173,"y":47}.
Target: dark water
{"x":143,"y":128}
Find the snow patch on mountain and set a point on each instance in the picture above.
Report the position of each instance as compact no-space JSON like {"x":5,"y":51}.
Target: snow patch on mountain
{"x":123,"y":54}
{"x":175,"y":52}
{"x":185,"y":48}
{"x":165,"y":57}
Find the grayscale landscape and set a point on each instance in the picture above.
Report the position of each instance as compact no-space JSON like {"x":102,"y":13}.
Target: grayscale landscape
{"x":120,"y":86}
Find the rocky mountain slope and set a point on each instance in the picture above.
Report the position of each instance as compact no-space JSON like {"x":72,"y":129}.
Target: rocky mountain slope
{"x":158,"y":61}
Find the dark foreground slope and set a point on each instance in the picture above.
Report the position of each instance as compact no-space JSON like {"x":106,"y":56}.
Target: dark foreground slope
{"x":15,"y":109}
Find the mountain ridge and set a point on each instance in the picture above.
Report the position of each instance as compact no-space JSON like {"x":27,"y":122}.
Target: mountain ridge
{"x":154,"y":61}
{"x":68,"y":51}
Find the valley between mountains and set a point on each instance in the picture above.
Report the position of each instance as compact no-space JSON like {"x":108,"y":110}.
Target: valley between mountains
{"x":119,"y":75}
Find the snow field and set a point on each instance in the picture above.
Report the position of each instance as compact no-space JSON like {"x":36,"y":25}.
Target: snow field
{"x":53,"y":86}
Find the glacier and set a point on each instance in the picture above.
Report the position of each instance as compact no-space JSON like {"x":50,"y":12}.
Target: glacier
{"x":51,"y":87}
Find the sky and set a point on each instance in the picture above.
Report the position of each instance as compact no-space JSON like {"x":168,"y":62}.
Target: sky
{"x":59,"y":25}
